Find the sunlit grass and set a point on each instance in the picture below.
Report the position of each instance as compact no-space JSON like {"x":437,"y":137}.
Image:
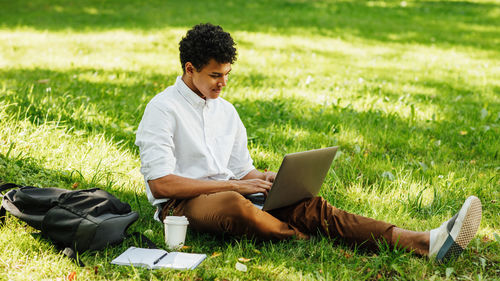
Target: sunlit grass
{"x":132,"y":51}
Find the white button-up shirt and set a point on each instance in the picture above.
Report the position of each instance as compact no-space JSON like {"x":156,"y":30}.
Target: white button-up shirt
{"x":183,"y":134}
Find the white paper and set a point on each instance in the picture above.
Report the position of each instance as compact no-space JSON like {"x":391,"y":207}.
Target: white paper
{"x":146,"y":257}
{"x":179,"y":260}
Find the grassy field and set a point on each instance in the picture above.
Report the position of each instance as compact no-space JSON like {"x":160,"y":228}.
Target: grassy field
{"x":409,"y":90}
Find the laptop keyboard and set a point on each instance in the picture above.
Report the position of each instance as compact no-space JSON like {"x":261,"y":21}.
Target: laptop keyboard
{"x":256,"y":198}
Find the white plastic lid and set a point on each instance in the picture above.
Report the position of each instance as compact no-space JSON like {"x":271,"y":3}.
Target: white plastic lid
{"x":176,"y":220}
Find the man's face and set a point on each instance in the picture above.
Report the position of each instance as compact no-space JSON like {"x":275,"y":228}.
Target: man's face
{"x":208,"y":82}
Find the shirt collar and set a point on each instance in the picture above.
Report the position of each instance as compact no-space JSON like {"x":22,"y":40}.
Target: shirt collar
{"x":189,"y":95}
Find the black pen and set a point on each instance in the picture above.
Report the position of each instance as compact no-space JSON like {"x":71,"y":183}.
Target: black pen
{"x":159,"y":259}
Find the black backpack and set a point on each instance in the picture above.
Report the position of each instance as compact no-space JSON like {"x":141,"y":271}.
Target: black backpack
{"x":74,"y":220}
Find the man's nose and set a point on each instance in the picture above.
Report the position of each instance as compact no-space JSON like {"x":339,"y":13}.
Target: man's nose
{"x":223,"y":81}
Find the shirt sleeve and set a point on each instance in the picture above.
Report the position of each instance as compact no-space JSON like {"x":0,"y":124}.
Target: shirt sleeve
{"x":155,"y":141}
{"x":240,"y":162}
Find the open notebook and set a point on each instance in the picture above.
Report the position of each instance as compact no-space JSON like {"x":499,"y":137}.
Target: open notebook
{"x":158,"y":258}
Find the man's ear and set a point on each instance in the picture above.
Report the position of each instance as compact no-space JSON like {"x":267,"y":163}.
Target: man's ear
{"x":189,"y":68}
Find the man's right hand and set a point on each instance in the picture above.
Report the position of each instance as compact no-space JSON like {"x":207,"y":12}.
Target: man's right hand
{"x":251,"y":186}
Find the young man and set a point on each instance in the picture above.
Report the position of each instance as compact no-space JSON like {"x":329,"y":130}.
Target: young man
{"x":195,"y":162}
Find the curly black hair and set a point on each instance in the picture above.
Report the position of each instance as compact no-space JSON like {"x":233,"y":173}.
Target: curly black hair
{"x":204,"y":42}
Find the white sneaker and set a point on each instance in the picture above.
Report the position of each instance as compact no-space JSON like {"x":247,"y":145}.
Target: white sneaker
{"x":451,"y":238}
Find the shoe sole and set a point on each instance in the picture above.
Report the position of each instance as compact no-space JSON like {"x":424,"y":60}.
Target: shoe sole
{"x":463,"y":228}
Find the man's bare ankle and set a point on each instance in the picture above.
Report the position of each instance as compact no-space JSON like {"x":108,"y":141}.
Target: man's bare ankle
{"x":417,"y":242}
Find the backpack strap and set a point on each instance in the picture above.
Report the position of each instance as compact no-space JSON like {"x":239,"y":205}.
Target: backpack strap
{"x":5,"y":187}
{"x":70,"y":253}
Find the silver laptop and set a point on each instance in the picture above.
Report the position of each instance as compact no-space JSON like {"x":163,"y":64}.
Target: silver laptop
{"x":299,"y":177}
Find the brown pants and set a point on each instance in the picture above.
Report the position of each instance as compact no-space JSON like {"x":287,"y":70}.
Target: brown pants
{"x":230,"y":212}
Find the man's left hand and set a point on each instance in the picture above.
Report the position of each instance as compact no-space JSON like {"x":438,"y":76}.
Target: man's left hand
{"x":269,"y":176}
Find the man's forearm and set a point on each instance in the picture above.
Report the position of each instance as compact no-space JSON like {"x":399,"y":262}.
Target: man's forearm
{"x":177,"y":187}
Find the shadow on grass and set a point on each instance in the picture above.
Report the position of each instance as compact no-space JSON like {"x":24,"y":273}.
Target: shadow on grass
{"x":444,"y":23}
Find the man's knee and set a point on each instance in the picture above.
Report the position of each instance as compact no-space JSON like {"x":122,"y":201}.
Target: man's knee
{"x":226,"y":204}
{"x":226,"y":197}
{"x":236,"y":213}
{"x":237,"y":206}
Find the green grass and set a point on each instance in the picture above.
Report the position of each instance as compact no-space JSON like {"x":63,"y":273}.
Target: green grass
{"x":409,"y":90}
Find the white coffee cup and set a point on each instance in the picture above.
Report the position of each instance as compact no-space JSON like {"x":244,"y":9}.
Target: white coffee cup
{"x":175,"y":231}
